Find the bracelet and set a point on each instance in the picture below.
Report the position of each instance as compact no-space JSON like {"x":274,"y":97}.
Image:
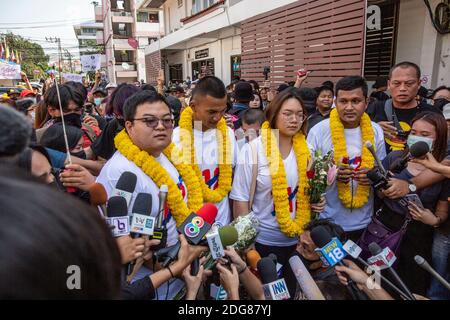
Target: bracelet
{"x":168,"y":268}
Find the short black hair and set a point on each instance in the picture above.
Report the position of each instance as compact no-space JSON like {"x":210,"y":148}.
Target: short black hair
{"x":210,"y":86}
{"x":334,"y":229}
{"x":141,"y":97}
{"x":328,"y":84}
{"x":352,"y":83}
{"x":66,"y":93}
{"x":59,"y":234}
{"x":78,"y":87}
{"x":252,"y":116}
{"x":149,"y":87}
{"x":405,"y":65}
{"x":322,"y":88}
{"x":15,"y":132}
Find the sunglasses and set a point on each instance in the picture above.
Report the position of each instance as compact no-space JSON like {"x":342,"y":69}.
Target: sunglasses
{"x":153,"y":122}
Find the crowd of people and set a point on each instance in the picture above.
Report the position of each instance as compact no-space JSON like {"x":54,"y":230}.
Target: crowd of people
{"x":244,"y":148}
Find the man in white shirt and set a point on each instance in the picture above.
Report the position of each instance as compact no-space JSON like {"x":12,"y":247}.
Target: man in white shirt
{"x":149,"y":124}
{"x":351,"y":103}
{"x":209,"y":104}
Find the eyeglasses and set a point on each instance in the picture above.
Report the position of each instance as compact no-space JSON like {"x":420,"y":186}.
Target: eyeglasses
{"x":288,"y":116}
{"x":153,"y":122}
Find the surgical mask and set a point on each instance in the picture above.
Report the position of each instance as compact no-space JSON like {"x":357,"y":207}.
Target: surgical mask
{"x":33,"y":116}
{"x":98,"y":101}
{"x":412,"y":139}
{"x":72,"y":119}
{"x":81,"y":154}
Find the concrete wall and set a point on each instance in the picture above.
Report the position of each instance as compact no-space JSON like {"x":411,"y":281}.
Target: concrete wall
{"x":419,"y":42}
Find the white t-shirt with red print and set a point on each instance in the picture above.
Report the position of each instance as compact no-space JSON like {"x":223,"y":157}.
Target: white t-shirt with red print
{"x":207,"y":156}
{"x":263,"y":207}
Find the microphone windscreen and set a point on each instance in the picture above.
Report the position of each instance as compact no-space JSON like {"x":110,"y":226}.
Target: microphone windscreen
{"x":117,"y":207}
{"x":228,"y":235}
{"x":98,"y":195}
{"x":127,"y":182}
{"x":143,"y":204}
{"x":374,"y":248}
{"x":305,"y":280}
{"x":373,"y":176}
{"x":419,"y":149}
{"x":267,"y":270}
{"x":320,"y":236}
{"x":419,"y":260}
{"x":368,"y":144}
{"x":253,"y":258}
{"x":274,"y":258}
{"x":208,"y":212}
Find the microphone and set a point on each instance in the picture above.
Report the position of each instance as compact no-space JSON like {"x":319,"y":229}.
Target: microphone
{"x":166,"y":255}
{"x":417,"y":150}
{"x":331,"y":252}
{"x":274,"y":288}
{"x":354,"y":251}
{"x":125,"y":186}
{"x":220,"y":239}
{"x":141,"y":221}
{"x":304,"y":279}
{"x":197,"y":225}
{"x":160,"y":231}
{"x":98,"y":197}
{"x":118,"y":216}
{"x":384,"y":259}
{"x":378,"y":161}
{"x":426,"y":266}
{"x":274,"y":258}
{"x":253,"y":258}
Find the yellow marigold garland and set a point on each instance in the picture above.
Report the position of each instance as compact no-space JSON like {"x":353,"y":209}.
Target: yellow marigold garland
{"x":224,"y":146}
{"x":340,"y":151}
{"x":160,"y":176}
{"x":289,"y":227}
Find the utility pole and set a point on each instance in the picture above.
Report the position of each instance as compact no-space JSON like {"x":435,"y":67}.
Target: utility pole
{"x":58,"y":41}
{"x":68,"y":54}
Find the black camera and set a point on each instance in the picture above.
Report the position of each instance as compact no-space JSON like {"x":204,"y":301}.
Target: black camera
{"x":266,"y":72}
{"x":378,"y":179}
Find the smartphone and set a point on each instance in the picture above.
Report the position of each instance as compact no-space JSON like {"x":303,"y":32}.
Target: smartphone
{"x":414,"y":198}
{"x":302,"y":72}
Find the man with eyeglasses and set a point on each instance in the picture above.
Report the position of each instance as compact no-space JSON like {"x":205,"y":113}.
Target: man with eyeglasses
{"x":395,"y":115}
{"x":149,"y":125}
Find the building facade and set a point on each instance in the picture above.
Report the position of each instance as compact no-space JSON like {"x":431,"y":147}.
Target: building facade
{"x":128,"y":28}
{"x":331,"y":38}
{"x":88,"y":43}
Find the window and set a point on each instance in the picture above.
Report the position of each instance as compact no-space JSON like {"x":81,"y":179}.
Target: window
{"x":153,"y":18}
{"x":199,"y":5}
{"x":176,"y":72}
{"x":89,"y":30}
{"x":121,"y":4}
{"x":142,"y":17}
{"x":235,"y":66}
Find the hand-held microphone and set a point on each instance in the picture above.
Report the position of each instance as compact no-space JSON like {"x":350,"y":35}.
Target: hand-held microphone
{"x":304,"y":279}
{"x":274,"y":288}
{"x":98,"y":197}
{"x":160,"y":231}
{"x":378,"y":161}
{"x":417,"y":150}
{"x":197,"y":225}
{"x":141,"y":221}
{"x":331,"y":252}
{"x":220,"y":239}
{"x":166,"y":255}
{"x":354,"y":251}
{"x":253,"y":258}
{"x":118,"y":216}
{"x":426,"y":266}
{"x":385,"y":259}
{"x":125,"y":186}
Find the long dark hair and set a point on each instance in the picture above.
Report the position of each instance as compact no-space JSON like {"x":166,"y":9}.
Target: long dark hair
{"x":440,"y":125}
{"x":273,"y":110}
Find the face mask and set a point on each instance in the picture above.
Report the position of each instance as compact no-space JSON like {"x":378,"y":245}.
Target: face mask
{"x":71,"y":119}
{"x":412,"y":139}
{"x":98,"y":101}
{"x":81,"y":154}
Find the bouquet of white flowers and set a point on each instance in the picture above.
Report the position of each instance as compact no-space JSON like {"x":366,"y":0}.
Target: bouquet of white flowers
{"x":247,"y":228}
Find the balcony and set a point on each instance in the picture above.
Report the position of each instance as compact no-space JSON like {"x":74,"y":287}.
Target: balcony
{"x":147,"y":29}
{"x":126,"y":74}
{"x":119,"y":67}
{"x":122,"y":44}
{"x":150,"y":4}
{"x":121,"y":17}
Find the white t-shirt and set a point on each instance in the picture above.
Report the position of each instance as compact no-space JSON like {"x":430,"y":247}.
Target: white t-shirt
{"x":270,"y":234}
{"x":207,"y":156}
{"x":319,"y":138}
{"x":109,"y":176}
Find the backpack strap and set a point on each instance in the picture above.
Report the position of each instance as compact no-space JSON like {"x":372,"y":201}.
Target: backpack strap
{"x":390,"y":114}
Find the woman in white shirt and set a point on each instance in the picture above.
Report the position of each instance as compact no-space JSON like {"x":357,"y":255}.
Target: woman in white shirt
{"x":281,"y":155}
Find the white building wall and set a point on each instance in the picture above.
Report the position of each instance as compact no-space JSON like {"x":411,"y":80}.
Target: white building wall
{"x":419,"y":42}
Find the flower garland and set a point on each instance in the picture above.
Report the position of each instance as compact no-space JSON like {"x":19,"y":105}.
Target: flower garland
{"x":159,"y":175}
{"x":289,"y":227}
{"x":188,"y":149}
{"x":340,"y":152}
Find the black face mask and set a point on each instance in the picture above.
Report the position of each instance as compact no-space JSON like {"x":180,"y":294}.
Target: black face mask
{"x":440,"y":103}
{"x":71,"y":119}
{"x":81,"y":154}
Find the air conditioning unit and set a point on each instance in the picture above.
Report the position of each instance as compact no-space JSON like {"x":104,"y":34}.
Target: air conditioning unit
{"x":124,"y":14}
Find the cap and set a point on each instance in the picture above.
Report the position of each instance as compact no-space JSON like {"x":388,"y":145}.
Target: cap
{"x":111,"y":85}
{"x":26,"y":93}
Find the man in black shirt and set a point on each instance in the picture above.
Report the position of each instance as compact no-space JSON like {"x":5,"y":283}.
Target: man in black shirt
{"x":324,"y":102}
{"x":404,"y":82}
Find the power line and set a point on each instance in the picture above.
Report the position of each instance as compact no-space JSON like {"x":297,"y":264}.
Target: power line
{"x":41,"y":22}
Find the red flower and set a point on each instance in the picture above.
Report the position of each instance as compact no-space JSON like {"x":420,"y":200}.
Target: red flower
{"x":310,"y":174}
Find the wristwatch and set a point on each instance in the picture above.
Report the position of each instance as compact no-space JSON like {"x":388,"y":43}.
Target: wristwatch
{"x":412,"y":187}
